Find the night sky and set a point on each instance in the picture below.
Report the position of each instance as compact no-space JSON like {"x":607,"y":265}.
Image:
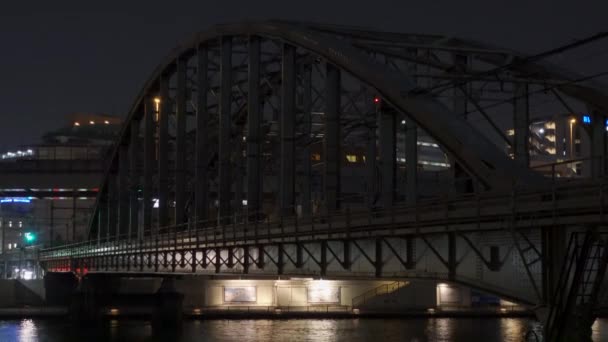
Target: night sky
{"x":59,"y":57}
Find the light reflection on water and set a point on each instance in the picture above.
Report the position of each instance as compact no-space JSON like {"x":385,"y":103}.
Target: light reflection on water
{"x":296,"y":330}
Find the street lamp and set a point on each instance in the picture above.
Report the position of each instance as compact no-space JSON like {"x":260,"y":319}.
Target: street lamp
{"x":572,"y":122}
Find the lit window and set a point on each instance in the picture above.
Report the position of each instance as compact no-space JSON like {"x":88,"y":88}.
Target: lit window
{"x":315,"y":157}
{"x":352,"y":158}
{"x":10,"y":224}
{"x":20,"y":224}
{"x":511,"y":132}
{"x":550,"y":150}
{"x":550,"y":125}
{"x":550,"y":137}
{"x":10,"y":246}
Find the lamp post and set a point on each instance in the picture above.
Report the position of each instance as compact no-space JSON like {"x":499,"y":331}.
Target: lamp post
{"x":572,"y":122}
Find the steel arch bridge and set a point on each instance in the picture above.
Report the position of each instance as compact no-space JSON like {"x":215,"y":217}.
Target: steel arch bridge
{"x":295,"y":148}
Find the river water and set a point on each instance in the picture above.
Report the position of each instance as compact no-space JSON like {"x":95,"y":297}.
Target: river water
{"x":292,"y":330}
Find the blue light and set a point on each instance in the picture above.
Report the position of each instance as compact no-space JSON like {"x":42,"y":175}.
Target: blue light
{"x":586,"y":119}
{"x":16,"y":200}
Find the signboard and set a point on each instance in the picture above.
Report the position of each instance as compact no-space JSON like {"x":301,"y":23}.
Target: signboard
{"x":241,"y":294}
{"x":323,"y":295}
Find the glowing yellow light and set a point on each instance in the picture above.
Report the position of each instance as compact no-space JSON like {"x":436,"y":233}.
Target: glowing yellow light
{"x":92,"y":122}
{"x":196,"y":311}
{"x":572,"y":120}
{"x":114,"y":312}
{"x":76,"y":123}
{"x":157,"y":100}
{"x":503,"y":310}
{"x":106,"y":122}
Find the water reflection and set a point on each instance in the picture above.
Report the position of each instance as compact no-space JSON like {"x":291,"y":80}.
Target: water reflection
{"x":28,"y":331}
{"x":297,"y":330}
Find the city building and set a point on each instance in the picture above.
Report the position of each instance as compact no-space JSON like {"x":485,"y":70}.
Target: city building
{"x":47,"y":189}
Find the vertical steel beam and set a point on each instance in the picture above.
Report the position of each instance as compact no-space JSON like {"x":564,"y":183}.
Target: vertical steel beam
{"x":288,"y":106}
{"x":103,"y":216}
{"x":332,"y":153}
{"x":323,"y":261}
{"x":379,"y":258}
{"x":520,"y":124}
{"x":305,"y":190}
{"x":246,"y":259}
{"x":371,"y":160}
{"x":253,"y":128}
{"x":452,"y":262}
{"x":149,"y":152}
{"x":180,"y":143}
{"x":387,"y":156}
{"x":112,"y":206}
{"x":202,"y":136}
{"x":163,"y":152}
{"x":225,"y":125}
{"x":411,"y":160}
{"x":239,"y":169}
{"x":598,"y":143}
{"x":134,"y":180}
{"x":123,"y":190}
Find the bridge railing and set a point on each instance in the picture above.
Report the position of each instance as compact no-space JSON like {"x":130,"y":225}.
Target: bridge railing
{"x":247,"y":226}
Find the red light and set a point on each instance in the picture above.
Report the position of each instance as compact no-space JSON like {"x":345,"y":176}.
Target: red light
{"x":376,"y":100}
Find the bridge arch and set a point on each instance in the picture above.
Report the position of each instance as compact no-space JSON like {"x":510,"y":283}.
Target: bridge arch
{"x":254,"y":123}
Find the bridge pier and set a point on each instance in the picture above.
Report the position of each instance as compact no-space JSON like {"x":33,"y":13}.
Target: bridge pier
{"x":169,"y":303}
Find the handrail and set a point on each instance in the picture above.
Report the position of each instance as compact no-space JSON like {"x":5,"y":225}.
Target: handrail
{"x":376,"y":291}
{"x":246,"y":225}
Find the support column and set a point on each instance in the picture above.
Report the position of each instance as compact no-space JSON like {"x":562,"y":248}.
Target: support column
{"x":163,"y":152}
{"x":288,"y":106}
{"x":411,"y":162}
{"x":134,"y":179}
{"x":149,"y":152}
{"x":202,"y":136}
{"x":553,"y":243}
{"x":180,"y":144}
{"x":332,"y":153}
{"x":598,"y":143}
{"x":254,"y":186}
{"x":225,"y":124}
{"x":306,"y":189}
{"x":387,"y":156}
{"x":123,"y":190}
{"x":521,"y":123}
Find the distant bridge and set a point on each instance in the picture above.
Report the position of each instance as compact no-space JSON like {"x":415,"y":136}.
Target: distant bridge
{"x":239,"y":154}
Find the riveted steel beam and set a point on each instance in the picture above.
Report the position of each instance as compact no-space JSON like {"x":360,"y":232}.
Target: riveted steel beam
{"x":163,"y":152}
{"x":254,"y":118}
{"x":287,"y":120}
{"x":149,"y":156}
{"x":201,"y":192}
{"x":332,"y":153}
{"x":180,"y":143}
{"x":225,"y":127}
